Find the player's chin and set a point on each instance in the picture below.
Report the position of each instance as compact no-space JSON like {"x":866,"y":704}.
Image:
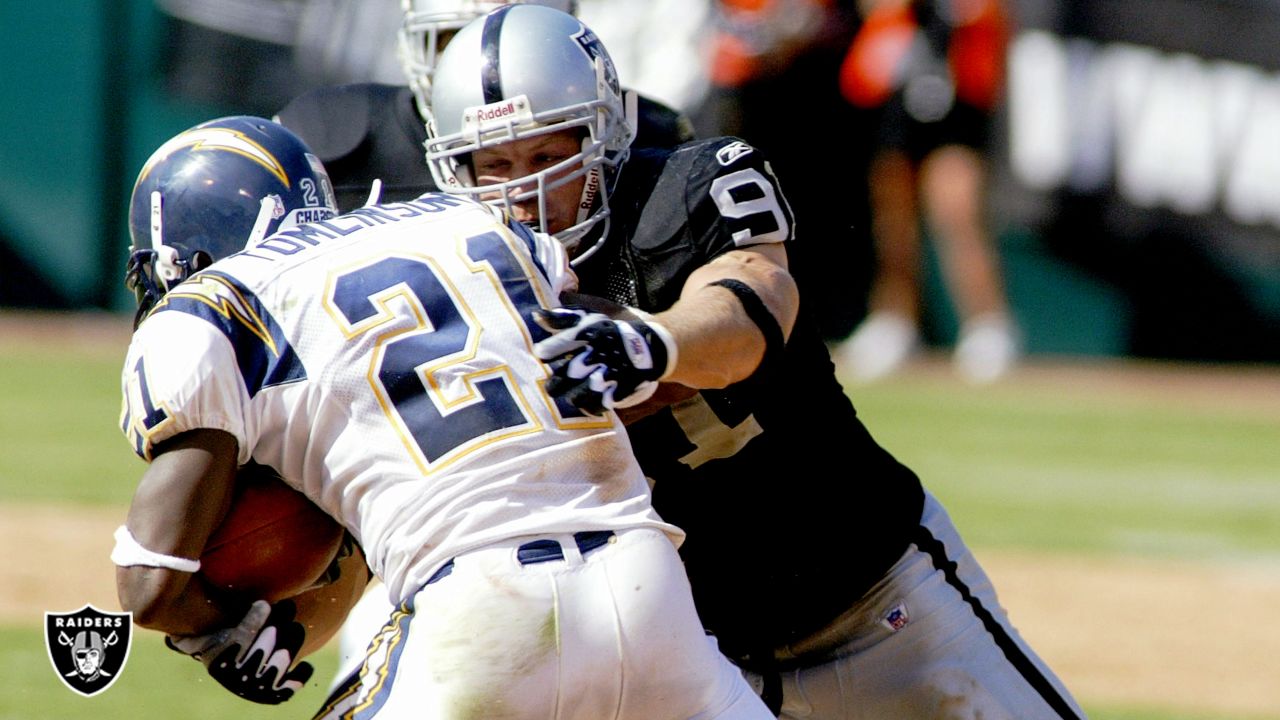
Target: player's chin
{"x":667,"y":394}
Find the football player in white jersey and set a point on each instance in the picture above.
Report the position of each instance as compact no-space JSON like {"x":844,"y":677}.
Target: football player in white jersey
{"x":381,"y":361}
{"x":364,"y":131}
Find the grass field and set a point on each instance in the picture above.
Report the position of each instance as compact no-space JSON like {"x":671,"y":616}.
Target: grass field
{"x":1129,"y":514}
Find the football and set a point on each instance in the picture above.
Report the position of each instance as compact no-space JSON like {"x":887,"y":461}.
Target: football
{"x":274,"y":542}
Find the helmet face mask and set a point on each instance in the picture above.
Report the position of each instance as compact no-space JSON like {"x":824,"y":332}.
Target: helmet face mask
{"x":519,"y":73}
{"x":210,"y":191}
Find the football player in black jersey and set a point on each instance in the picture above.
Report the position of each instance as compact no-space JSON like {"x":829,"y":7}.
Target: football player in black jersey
{"x":372,"y":131}
{"x":819,"y":561}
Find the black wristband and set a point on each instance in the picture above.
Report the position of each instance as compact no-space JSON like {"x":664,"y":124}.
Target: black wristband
{"x":760,"y":315}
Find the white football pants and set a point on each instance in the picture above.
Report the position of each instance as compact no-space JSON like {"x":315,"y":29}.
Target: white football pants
{"x":613,"y":634}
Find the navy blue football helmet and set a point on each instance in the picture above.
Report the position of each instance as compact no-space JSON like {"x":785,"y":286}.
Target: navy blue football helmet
{"x":213,"y":190}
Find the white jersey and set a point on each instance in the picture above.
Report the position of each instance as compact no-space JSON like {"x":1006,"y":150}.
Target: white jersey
{"x":382,"y":363}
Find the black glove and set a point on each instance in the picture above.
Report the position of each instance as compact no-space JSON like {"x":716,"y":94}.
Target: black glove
{"x":599,"y":363}
{"x":253,"y":659}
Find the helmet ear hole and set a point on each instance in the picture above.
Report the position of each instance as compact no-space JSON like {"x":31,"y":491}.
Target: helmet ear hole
{"x":200,"y":260}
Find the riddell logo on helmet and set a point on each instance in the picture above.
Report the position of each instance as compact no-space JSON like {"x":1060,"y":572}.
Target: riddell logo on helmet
{"x":590,"y":189}
{"x":495,"y":112}
{"x":513,"y":110}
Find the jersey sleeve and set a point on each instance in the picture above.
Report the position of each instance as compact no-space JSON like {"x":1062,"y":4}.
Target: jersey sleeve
{"x":734,"y":197}
{"x":181,"y":374}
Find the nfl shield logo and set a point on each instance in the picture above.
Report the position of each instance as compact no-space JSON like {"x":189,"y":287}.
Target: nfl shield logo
{"x":88,"y":647}
{"x":897,"y":618}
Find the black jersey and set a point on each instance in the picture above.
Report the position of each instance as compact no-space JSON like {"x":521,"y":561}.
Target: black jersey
{"x":792,"y":509}
{"x":367,"y":131}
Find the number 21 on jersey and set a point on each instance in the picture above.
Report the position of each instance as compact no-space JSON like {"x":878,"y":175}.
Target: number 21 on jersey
{"x":409,"y":364}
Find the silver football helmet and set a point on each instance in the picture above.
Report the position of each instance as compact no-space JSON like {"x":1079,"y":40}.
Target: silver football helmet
{"x":524,"y":71}
{"x":429,"y":25}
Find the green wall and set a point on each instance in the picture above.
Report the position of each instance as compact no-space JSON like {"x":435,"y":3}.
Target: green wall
{"x":81,"y":107}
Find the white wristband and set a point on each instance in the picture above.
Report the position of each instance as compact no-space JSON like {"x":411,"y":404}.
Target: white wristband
{"x":670,"y":342}
{"x":128,"y":552}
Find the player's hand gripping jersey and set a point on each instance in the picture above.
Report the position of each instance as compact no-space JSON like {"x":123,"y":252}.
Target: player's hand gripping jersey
{"x":380,"y":361}
{"x":774,"y":478}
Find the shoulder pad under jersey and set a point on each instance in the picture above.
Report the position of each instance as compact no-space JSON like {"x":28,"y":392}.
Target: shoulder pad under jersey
{"x":730,"y":193}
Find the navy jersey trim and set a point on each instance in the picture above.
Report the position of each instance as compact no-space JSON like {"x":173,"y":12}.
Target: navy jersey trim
{"x":343,"y":691}
{"x":937,"y":552}
{"x":399,"y":633}
{"x":263,"y":353}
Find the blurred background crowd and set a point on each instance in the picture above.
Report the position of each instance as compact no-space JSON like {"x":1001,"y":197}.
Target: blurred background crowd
{"x":999,"y":178}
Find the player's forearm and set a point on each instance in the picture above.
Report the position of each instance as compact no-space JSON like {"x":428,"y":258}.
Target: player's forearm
{"x":179,"y":500}
{"x":717,"y":345}
{"x":718,"y":342}
{"x":170,"y":601}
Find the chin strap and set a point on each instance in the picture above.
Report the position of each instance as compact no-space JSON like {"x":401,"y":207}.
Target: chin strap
{"x":270,"y":208}
{"x":157,"y":219}
{"x":165,"y":269}
{"x":152,"y":271}
{"x":590,"y":187}
{"x":594,"y":200}
{"x":631,"y":108}
{"x":375,"y":193}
